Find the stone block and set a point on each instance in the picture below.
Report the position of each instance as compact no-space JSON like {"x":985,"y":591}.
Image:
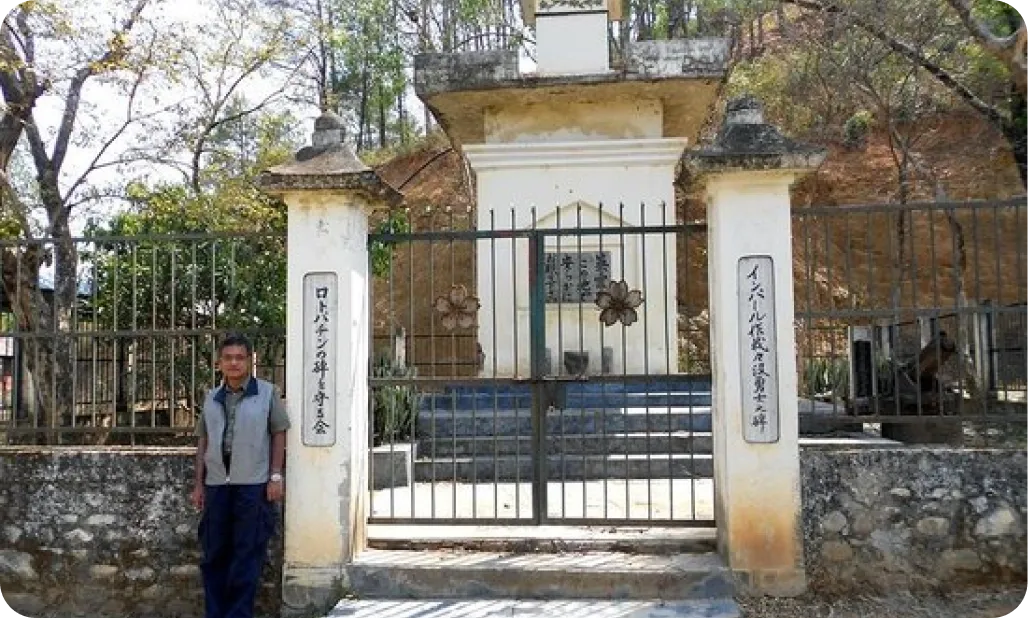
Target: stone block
{"x":437,"y":73}
{"x":671,"y":58}
{"x":928,"y":432}
{"x":143,"y":574}
{"x":25,"y":604}
{"x":103,"y":571}
{"x":186,"y":571}
{"x":392,"y":465}
{"x":18,"y":564}
{"x":939,"y":517}
{"x":1004,"y":521}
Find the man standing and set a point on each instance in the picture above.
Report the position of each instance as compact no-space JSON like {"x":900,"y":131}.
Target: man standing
{"x":239,"y":458}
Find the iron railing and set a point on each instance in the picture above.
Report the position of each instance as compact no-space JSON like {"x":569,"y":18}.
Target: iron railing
{"x":897,"y":307}
{"x":113,"y":339}
{"x":551,"y":416}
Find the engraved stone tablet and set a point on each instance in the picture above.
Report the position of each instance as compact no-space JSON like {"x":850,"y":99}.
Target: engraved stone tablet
{"x":576,"y":277}
{"x":758,"y":348}
{"x":320,"y":313}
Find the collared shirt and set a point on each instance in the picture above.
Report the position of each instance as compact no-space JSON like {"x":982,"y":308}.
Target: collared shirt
{"x":278,"y":419}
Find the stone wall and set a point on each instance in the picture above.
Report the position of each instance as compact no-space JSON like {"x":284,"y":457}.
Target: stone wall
{"x":105,"y":533}
{"x":913,"y":518}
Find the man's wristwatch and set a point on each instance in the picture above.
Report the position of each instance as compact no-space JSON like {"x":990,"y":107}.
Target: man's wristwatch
{"x":276,"y":477}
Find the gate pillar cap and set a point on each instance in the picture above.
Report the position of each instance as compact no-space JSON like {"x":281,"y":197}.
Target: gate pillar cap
{"x":747,"y":143}
{"x":328,"y":164}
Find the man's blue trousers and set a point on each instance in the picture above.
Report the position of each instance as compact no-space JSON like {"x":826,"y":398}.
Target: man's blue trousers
{"x":237,"y":523}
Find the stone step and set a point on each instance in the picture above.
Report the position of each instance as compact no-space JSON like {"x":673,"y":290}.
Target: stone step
{"x":606,"y":384}
{"x":408,"y":574}
{"x":635,"y":443}
{"x":514,"y":422}
{"x":488,"y":401}
{"x":508,"y":468}
{"x":544,"y":538}
{"x":493,"y":608}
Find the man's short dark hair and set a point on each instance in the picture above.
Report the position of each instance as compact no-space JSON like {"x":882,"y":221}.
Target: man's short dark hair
{"x":236,"y":339}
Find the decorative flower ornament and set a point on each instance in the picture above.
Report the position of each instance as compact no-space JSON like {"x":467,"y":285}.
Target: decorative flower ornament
{"x":458,"y":308}
{"x":618,"y":304}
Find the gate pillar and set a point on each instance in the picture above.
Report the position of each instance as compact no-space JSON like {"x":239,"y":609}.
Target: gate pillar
{"x":329,"y":194}
{"x":746,"y":176}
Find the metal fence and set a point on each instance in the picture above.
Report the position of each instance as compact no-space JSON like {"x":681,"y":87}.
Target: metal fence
{"x":575,"y":403}
{"x":113,"y":340}
{"x":899,"y":311}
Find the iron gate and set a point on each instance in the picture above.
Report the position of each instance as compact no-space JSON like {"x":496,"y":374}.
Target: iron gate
{"x":549,"y":369}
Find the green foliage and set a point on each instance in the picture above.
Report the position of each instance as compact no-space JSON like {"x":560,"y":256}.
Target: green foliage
{"x":395,"y":407}
{"x":778,"y":81}
{"x":186,"y":261}
{"x":382,"y":252}
{"x":857,"y":129}
{"x":826,"y":378}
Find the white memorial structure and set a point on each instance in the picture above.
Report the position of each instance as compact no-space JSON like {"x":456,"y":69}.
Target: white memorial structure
{"x":548,"y":150}
{"x":558,"y":144}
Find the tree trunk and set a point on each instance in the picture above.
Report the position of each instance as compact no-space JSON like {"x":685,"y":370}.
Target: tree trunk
{"x":33,"y":315}
{"x":401,"y":115}
{"x":66,"y":264}
{"x":760,"y":33}
{"x":1015,"y":134}
{"x":362,"y":117}
{"x":381,"y":117}
{"x":784,"y":27}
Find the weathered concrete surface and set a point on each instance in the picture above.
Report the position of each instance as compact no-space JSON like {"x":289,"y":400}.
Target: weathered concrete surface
{"x":722,"y":608}
{"x":677,"y":57}
{"x":105,"y":532}
{"x":592,"y":575}
{"x":327,"y":164}
{"x":681,"y":76}
{"x":533,"y":539}
{"x":659,"y":499}
{"x":745,"y":143}
{"x":888,"y":520}
{"x":756,"y":477}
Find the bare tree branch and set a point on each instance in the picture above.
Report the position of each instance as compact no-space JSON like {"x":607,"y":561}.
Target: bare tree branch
{"x":997,"y":44}
{"x":115,"y":52}
{"x":908,"y":51}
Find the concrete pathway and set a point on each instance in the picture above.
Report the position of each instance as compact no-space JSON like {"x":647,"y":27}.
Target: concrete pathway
{"x":535,"y":609}
{"x":613,"y":499}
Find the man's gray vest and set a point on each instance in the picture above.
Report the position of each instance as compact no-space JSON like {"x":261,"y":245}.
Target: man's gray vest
{"x":251,"y":442}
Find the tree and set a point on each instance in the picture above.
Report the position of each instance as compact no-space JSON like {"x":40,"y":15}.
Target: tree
{"x":196,"y":262}
{"x":118,"y":89}
{"x":39,"y":43}
{"x":951,"y":42}
{"x":999,"y":29}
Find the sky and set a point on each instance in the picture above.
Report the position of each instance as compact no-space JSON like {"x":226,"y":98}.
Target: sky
{"x":187,"y":14}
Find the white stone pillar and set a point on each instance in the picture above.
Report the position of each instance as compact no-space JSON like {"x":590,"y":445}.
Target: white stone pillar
{"x":571,"y":36}
{"x":755,"y":409}
{"x":329,"y":194}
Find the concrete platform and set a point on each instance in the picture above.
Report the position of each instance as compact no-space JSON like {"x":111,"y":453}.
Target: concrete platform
{"x":588,"y":575}
{"x":512,"y":468}
{"x":499,"y":608}
{"x":611,"y":499}
{"x":641,"y":540}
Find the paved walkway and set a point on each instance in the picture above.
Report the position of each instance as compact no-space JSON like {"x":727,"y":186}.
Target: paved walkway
{"x":656,"y":499}
{"x":535,"y":609}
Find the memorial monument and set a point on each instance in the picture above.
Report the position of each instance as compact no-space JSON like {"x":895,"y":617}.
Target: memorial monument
{"x":565,"y":147}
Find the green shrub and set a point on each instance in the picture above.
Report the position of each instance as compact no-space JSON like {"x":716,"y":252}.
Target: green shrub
{"x":395,"y":406}
{"x":826,"y":377}
{"x":857,"y":128}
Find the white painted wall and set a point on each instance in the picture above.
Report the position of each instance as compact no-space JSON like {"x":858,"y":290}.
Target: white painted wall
{"x":571,"y":122}
{"x":517,"y":178}
{"x":326,"y":487}
{"x":756,"y":484}
{"x":572,"y":44}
